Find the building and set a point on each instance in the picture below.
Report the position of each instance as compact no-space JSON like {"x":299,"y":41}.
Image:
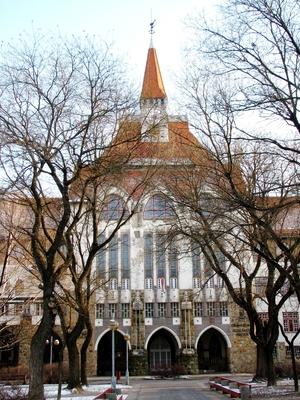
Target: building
{"x":161,"y":292}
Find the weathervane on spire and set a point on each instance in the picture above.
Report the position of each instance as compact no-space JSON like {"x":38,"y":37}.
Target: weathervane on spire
{"x":151,"y":31}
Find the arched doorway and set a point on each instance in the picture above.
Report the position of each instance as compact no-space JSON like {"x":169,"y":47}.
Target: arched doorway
{"x":162,"y":349}
{"x":53,"y":349}
{"x":104,"y":354}
{"x":9,"y":345}
{"x":212,"y":352}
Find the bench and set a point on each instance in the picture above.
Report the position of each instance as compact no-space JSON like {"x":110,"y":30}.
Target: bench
{"x":114,"y":396}
{"x":9,"y":378}
{"x":102,"y":395}
{"x":108,"y":393}
{"x":231,"y":387}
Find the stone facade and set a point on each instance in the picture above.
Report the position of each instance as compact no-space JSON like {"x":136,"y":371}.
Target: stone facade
{"x":243,"y":349}
{"x":177,"y":312}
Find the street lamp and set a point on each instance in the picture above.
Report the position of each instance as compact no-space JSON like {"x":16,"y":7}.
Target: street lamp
{"x":127,"y":338}
{"x":52,"y":342}
{"x":114,"y":325}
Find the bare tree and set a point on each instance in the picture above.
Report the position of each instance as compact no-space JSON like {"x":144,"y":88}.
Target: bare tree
{"x":249,"y":62}
{"x":237,"y":204}
{"x":254,"y":46}
{"x":59,"y":107}
{"x":101,"y":213}
{"x":290,"y":340}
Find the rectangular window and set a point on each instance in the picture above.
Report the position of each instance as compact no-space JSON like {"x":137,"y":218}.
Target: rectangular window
{"x":112,"y":307}
{"x":209,"y":276}
{"x":290,"y":321}
{"x":148,"y":283}
{"x":197,"y":283}
{"x":221,"y":260}
{"x":113,"y":284}
{"x":261,"y":285}
{"x":125,"y":310}
{"x":161,"y":283}
{"x":296,"y":350}
{"x":161,"y":255}
{"x":161,"y":310}
{"x":3,"y":309}
{"x":198,"y":309}
{"x":38,"y":309}
{"x":173,"y":283}
{"x":27,"y":309}
{"x":99,"y":311}
{"x":148,"y":255}
{"x":100,"y":257}
{"x":211,"y":308}
{"x":125,"y":255}
{"x":174,"y":310}
{"x":113,"y":257}
{"x":17,"y":308}
{"x":125,"y":284}
{"x":149,"y":310}
{"x":173,"y":260}
{"x":196,"y":260}
{"x":223,"y":309}
{"x":263,"y":316}
{"x":220,"y":282}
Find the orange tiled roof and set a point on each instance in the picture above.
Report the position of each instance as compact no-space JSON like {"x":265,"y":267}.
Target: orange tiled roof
{"x":153,"y":87}
{"x":181,"y":143}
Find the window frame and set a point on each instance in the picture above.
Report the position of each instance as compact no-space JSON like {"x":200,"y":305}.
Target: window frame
{"x":158,"y":207}
{"x":114,"y":209}
{"x":290,"y":321}
{"x":198,"y":309}
{"x":125,"y":310}
{"x":99,"y":310}
{"x":175,"y":309}
{"x":112,"y":310}
{"x":149,"y":310}
{"x":161,"y":310}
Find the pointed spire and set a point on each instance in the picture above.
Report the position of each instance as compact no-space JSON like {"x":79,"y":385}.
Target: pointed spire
{"x":153,"y":87}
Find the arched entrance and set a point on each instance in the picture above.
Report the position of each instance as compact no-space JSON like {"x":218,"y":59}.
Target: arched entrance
{"x":212,"y":352}
{"x":53,"y":349}
{"x":104,"y":354}
{"x":9,"y":353}
{"x":162,"y":349}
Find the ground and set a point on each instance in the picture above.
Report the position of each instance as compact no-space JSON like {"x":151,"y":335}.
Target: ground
{"x":140,"y":385}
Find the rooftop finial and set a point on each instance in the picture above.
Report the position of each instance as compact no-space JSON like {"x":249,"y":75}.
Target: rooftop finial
{"x":151,"y":30}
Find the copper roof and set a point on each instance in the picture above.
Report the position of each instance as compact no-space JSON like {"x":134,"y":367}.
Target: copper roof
{"x":153,"y":87}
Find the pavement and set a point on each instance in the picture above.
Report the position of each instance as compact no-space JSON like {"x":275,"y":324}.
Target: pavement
{"x":191,"y":387}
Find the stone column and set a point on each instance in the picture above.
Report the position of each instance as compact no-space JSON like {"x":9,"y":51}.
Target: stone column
{"x":189,"y":361}
{"x":26,"y":332}
{"x":138,"y":363}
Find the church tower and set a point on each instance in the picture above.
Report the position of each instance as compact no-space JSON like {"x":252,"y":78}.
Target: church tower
{"x":153,"y":100}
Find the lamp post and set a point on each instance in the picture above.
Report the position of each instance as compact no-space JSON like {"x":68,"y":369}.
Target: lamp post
{"x":52,"y":342}
{"x":113,"y":326}
{"x":127,"y":338}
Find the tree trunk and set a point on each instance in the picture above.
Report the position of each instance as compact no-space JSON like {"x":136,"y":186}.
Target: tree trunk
{"x":261,"y":365}
{"x":84,"y":350}
{"x":59,"y":374}
{"x":265,"y":365}
{"x":74,"y":373}
{"x":271,"y":376}
{"x":295,"y":375}
{"x":36,"y":363}
{"x":74,"y":363}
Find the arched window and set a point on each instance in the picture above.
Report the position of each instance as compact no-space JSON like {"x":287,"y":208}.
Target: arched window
{"x":114,"y":209}
{"x":158,"y":207}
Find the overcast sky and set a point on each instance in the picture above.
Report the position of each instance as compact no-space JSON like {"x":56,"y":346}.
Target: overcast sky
{"x":122,"y":22}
